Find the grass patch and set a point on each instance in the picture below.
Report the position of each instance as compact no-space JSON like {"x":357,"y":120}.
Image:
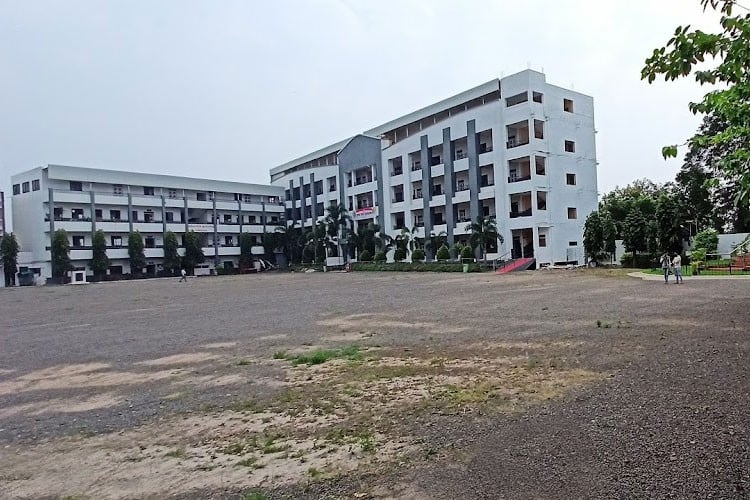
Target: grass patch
{"x":241,"y":447}
{"x":250,"y":461}
{"x":270,"y":446}
{"x":246,"y":405}
{"x":320,"y":356}
{"x":255,"y":495}
{"x":244,"y":362}
{"x":178,"y":453}
{"x":314,"y":472}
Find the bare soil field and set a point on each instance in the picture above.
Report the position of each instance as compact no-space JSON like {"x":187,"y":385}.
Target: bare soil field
{"x":558,"y":385}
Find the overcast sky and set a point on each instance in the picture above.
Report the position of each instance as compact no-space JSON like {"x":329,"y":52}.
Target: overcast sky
{"x":228,"y":89}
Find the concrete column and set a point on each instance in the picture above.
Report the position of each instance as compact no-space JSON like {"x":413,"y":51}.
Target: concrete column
{"x":51,"y":212}
{"x":449,"y":184}
{"x":185,"y":212}
{"x":302,"y":202}
{"x":216,"y":233}
{"x":263,"y":215}
{"x":381,"y":196}
{"x":163,"y":218}
{"x":313,"y":199}
{"x":130,"y":210}
{"x":93,"y":215}
{"x":239,"y":214}
{"x":424,"y":158}
{"x":291,"y":195}
{"x":474,"y":177}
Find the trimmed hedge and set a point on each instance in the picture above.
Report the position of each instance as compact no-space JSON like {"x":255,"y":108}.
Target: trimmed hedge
{"x":417,"y":255}
{"x":438,"y":267}
{"x":379,"y":257}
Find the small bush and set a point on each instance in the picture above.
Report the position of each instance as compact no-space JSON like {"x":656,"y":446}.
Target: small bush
{"x":467,"y":252}
{"x":365,"y":256}
{"x":443,"y":253}
{"x":399,"y":254}
{"x":379,"y":257}
{"x":642,"y":261}
{"x":417,"y":255}
{"x":438,"y":267}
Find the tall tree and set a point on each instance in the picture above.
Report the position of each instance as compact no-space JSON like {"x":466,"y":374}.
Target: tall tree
{"x":99,"y":259}
{"x":136,"y":253}
{"x":484,"y":234}
{"x":337,"y":222}
{"x":9,"y":252}
{"x":60,"y":249}
{"x":724,"y":60}
{"x":670,"y":231}
{"x":246,"y":250}
{"x":635,"y":232}
{"x":593,"y":236}
{"x":609,"y":233}
{"x":193,"y":251}
{"x":172,"y":259}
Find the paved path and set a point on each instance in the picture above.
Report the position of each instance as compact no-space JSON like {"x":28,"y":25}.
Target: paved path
{"x":659,"y":277}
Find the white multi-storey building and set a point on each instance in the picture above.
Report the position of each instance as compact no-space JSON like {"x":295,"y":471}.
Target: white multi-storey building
{"x":84,"y":200}
{"x":515,"y":148}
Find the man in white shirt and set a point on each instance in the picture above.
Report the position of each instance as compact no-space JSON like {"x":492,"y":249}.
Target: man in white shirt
{"x":677,"y":265}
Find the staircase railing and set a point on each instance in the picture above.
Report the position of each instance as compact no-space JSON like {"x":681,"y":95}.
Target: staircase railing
{"x":502,"y":260}
{"x":743,"y":247}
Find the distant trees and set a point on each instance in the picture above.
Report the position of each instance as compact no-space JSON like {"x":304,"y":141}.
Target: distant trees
{"x":246,"y":247}
{"x":99,"y":258}
{"x":171,"y":256}
{"x":60,"y":249}
{"x":484,"y":234}
{"x":193,"y":251}
{"x":136,"y":253}
{"x":9,"y":252}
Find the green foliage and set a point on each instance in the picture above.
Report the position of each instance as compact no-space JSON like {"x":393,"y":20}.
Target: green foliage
{"x":99,"y":260}
{"x":641,"y":261}
{"x":639,"y":195}
{"x":717,"y":59}
{"x":593,"y":236}
{"x":135,"y":253}
{"x":635,"y":232}
{"x":467,"y":253}
{"x":439,"y":267}
{"x":443,"y":253}
{"x":246,"y":254}
{"x":708,"y":240}
{"x":255,"y":495}
{"x":379,"y":257}
{"x":399,"y":254}
{"x":484,"y":234}
{"x":436,"y":241}
{"x":172,"y":259}
{"x":60,"y":249}
{"x":365,"y":256}
{"x":9,"y":252}
{"x":193,"y":251}
{"x":669,"y":224}
{"x":320,"y":356}
{"x":417,"y":255}
{"x":456,"y":249}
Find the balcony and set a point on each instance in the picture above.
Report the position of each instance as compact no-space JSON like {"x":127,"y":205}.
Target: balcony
{"x":462,"y":187}
{"x":398,"y":199}
{"x":524,"y":213}
{"x":519,"y":178}
{"x":514,"y":143}
{"x":416,"y":166}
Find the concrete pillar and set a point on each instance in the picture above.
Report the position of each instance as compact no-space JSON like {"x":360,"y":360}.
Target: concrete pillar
{"x":216,"y":233}
{"x":424,"y":158}
{"x":449,"y":184}
{"x":130,"y":210}
{"x":474,"y":177}
{"x":93,"y":215}
{"x":185,"y":212}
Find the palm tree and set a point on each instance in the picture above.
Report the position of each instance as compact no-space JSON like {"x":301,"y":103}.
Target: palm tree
{"x":366,"y":237}
{"x":484,"y":233}
{"x":337,"y":222}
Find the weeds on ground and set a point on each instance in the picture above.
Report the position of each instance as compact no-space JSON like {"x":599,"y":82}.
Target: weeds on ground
{"x":178,"y":453}
{"x":320,"y":356}
{"x":255,"y":495}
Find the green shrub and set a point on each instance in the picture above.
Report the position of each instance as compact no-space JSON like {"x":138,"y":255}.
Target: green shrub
{"x":443,"y":253}
{"x":417,"y":255}
{"x":365,"y":256}
{"x":708,"y":239}
{"x":438,"y":267}
{"x":399,"y":254}
{"x":379,"y":257}
{"x":467,"y":252}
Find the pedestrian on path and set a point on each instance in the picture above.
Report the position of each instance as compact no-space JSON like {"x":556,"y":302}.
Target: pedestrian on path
{"x":183,"y":276}
{"x":665,"y":263}
{"x":677,"y":264}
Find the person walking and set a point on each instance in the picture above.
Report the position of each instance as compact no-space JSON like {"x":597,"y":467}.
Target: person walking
{"x":665,"y":264}
{"x":677,"y":264}
{"x":183,"y":276}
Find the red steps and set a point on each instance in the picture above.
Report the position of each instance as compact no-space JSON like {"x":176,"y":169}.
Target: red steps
{"x":741,"y":261}
{"x":517,"y":265}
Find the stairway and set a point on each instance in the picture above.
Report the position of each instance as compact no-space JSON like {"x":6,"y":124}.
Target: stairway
{"x":741,"y":262}
{"x":521,"y":264}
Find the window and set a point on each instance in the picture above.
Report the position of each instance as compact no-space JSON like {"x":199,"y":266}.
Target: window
{"x":116,"y":241}
{"x":541,"y":165}
{"x":570,"y":146}
{"x":437,"y":189}
{"x":570,"y":179}
{"x":516,"y":99}
{"x":227,"y":219}
{"x":148,"y":191}
{"x":228,"y":241}
{"x":35,"y":185}
{"x":568,"y":105}
{"x":169,"y":216}
{"x":148,"y":216}
{"x":16,"y":189}
{"x":247,"y":198}
{"x":572,"y":243}
{"x":172,"y":193}
{"x":76,"y":186}
{"x":486,"y":210}
{"x":251,"y":219}
{"x":271,"y":199}
{"x":572,"y":213}
{"x":25,"y":187}
{"x":98,"y":214}
{"x":134,"y":216}
{"x":332,"y":184}
{"x":538,"y":129}
{"x":78,"y":241}
{"x":76,"y":214}
{"x":541,"y":200}
{"x":542,"y":240}
{"x":200,"y":196}
{"x":115,"y":270}
{"x":149,"y":242}
{"x":114,"y":215}
{"x":117,"y":189}
{"x":537,"y":97}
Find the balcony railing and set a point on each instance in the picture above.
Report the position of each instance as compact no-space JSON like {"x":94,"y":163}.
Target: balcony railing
{"x":416,"y":166}
{"x":524,"y":213}
{"x":485,"y":148}
{"x":397,"y":171}
{"x":486,"y":184}
{"x":519,"y":178}
{"x":463,"y":187}
{"x":514,"y":143}
{"x":460,"y":155}
{"x":397,"y":199}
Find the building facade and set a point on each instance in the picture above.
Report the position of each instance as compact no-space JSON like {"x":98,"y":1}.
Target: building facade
{"x":517,"y":148}
{"x":2,"y":214}
{"x":84,"y":200}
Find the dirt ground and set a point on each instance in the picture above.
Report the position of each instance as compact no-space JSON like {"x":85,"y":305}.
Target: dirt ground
{"x":545,"y":384}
